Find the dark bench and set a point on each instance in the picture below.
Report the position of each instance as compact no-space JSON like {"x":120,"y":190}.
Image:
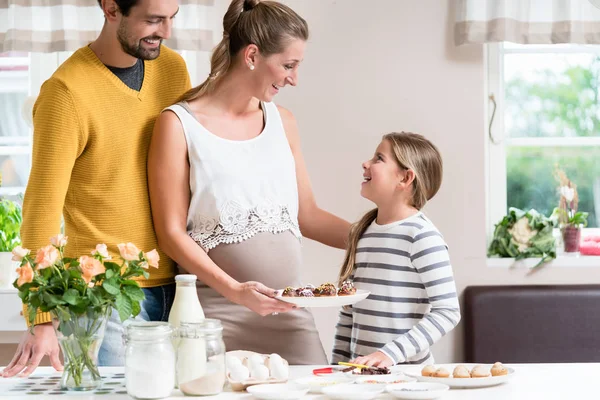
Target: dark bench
{"x":532,"y":324}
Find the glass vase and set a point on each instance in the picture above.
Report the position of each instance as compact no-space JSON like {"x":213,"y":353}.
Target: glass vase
{"x":80,"y":337}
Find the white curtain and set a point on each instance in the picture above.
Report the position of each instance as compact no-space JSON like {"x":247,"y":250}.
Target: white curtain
{"x":66,"y":25}
{"x":527,"y":21}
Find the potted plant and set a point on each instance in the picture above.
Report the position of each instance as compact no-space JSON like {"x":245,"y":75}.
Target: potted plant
{"x":570,"y":221}
{"x":10,"y":224}
{"x":523,"y":234}
{"x":80,"y":293}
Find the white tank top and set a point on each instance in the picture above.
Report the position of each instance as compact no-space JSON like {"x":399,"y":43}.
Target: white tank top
{"x":239,"y":188}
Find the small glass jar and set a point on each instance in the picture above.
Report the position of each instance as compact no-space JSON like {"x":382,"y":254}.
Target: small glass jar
{"x":149,"y":360}
{"x":201,"y":358}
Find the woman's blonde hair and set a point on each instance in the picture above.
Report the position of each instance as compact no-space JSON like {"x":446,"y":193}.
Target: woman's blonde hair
{"x":269,"y":25}
{"x":411,"y":152}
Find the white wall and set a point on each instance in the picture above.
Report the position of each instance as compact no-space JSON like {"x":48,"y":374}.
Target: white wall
{"x":381,"y":65}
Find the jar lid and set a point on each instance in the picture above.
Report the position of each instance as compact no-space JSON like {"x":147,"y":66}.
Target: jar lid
{"x":186,"y":278}
{"x":207,"y":326}
{"x":148,"y":330}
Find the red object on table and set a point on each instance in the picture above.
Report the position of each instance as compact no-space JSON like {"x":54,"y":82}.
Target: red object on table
{"x":590,"y":246}
{"x":328,"y":370}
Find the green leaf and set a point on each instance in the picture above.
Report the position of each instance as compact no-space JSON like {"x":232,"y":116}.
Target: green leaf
{"x":124,"y":307}
{"x":111,"y":287}
{"x":52,"y":299}
{"x":31,"y":314}
{"x":10,"y":224}
{"x":116,"y":268}
{"x":71,"y":296}
{"x":135,"y":308}
{"x":135,"y":293}
{"x":109,"y":273}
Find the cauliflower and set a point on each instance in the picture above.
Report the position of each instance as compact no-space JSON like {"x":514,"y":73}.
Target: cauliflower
{"x":522,"y":233}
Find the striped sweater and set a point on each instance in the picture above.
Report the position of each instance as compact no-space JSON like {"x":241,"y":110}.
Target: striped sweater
{"x":413,"y":302}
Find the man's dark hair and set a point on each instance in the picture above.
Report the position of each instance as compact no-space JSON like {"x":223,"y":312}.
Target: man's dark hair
{"x":124,"y":5}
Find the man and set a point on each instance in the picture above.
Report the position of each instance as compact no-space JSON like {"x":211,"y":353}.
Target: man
{"x":93,"y":122}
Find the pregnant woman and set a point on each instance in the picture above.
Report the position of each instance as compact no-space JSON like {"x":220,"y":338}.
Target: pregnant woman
{"x":229,"y":189}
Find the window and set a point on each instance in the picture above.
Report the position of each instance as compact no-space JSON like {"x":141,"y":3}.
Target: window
{"x":547,"y":113}
{"x":15,"y":135}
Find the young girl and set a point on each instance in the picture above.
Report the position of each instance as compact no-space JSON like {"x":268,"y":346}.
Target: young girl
{"x":397,"y":254}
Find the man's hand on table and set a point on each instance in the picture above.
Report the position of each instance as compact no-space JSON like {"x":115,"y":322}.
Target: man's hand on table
{"x":32,"y":349}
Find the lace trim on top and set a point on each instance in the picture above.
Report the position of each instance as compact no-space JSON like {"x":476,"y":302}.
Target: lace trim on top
{"x":237,"y":224}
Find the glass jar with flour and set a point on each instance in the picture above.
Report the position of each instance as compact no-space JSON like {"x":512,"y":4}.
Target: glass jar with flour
{"x":201,"y":358}
{"x":149,"y":360}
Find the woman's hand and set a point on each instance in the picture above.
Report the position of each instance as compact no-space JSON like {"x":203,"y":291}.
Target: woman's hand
{"x":377,"y":359}
{"x":259,"y":298}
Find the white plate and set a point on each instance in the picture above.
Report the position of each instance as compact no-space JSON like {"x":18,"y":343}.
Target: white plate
{"x":385,"y":379}
{"x":326,"y":301}
{"x":415,"y":372}
{"x":278,"y":391}
{"x":318,"y":383}
{"x":352,"y":391}
{"x":417,"y":390}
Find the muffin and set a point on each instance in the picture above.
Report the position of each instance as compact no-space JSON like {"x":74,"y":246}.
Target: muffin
{"x":326,"y":289}
{"x":480,"y":371}
{"x":289,"y":292}
{"x":461,"y":372}
{"x":498,"y":369}
{"x":428,"y":370}
{"x":441,"y":373}
{"x":347,"y":289}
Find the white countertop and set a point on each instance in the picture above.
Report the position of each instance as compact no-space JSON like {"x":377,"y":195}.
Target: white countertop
{"x":531,"y":382}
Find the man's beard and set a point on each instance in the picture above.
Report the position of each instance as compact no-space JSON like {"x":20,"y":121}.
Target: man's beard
{"x":136,"y":50}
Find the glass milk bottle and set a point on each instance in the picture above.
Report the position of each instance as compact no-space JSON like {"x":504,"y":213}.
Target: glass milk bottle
{"x":149,"y":360}
{"x":201,"y":358}
{"x":186,"y":306}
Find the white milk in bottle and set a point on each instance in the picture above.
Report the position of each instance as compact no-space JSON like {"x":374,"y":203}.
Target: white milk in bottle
{"x":186,"y":308}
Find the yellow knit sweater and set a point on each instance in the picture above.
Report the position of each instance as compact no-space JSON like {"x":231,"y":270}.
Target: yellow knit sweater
{"x":90,"y":146}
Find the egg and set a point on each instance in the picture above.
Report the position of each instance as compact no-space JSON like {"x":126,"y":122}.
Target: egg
{"x":233,"y":361}
{"x":259,"y":372}
{"x":255,"y":359}
{"x":279,"y":370}
{"x":273,"y":357}
{"x":239,"y":373}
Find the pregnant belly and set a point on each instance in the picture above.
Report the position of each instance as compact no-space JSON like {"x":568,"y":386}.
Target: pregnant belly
{"x":272,"y":259}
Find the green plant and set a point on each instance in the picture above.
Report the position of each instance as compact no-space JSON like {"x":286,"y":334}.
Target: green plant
{"x":70,"y":288}
{"x":10,"y":224}
{"x":523,"y":234}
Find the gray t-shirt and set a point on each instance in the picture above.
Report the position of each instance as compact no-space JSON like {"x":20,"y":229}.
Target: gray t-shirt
{"x":131,"y":76}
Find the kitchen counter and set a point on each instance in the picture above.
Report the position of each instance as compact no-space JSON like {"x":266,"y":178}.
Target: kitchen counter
{"x":531,"y":382}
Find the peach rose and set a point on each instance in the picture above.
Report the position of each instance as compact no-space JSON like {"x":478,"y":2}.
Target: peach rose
{"x":90,"y":267}
{"x":25,"y":274}
{"x":152,"y":257}
{"x":19,"y":252}
{"x":101,"y":250}
{"x":59,"y":240}
{"x":46,"y":256}
{"x":128,"y":251}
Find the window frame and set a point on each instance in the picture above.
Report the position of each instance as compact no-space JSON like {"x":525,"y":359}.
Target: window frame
{"x":496,"y":141}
